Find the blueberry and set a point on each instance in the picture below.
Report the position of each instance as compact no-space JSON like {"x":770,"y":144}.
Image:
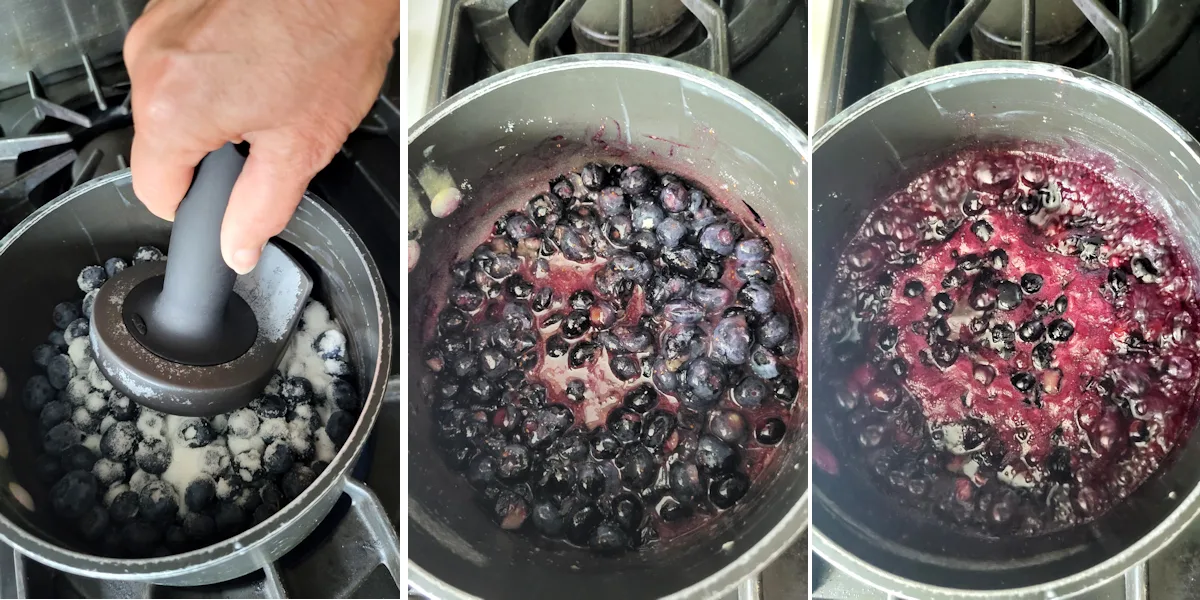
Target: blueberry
{"x":262,"y":513}
{"x":91,"y":278}
{"x":720,"y":237}
{"x":1024,"y":382}
{"x":604,"y":444}
{"x":1144,"y":269}
{"x":685,"y":482}
{"x":196,"y":433}
{"x":945,"y":353}
{"x":914,"y":288}
{"x":1008,"y":295}
{"x":657,"y":427}
{"x":576,"y":323}
{"x":37,"y":394}
{"x":57,"y":340}
{"x":1031,"y":331}
{"x":296,"y":390}
{"x":1043,"y":355}
{"x":78,"y":458}
{"x":725,"y":490}
{"x":786,"y":387}
{"x":343,"y":395}
{"x":638,"y":467}
{"x":641,"y":398}
{"x":998,"y":259}
{"x":757,"y":296}
{"x":609,"y":538}
{"x":277,"y":458}
{"x":647,"y":217}
{"x":770,"y":431}
{"x":114,"y":265}
{"x":593,"y":176}
{"x":683,"y":311}
{"x":199,"y":527}
{"x":731,"y":341}
{"x":1031,"y":283}
{"x":74,"y":494}
{"x":153,"y":456}
{"x":670,"y":233}
{"x":61,"y":437}
{"x":625,"y":366}
{"x":48,"y":468}
{"x":673,"y":197}
{"x":93,"y":525}
{"x":954,"y":278}
{"x":547,"y":519}
{"x":750,"y":392}
{"x":705,"y":380}
{"x":684,"y":261}
{"x":756,"y":271}
{"x":147,"y":254}
{"x":774,"y":330}
{"x":229,"y":519}
{"x":671,"y":510}
{"x":1029,"y":204}
{"x":121,"y":407}
{"x":624,"y":424}
{"x":637,"y":179}
{"x":982,"y":230}
{"x":591,"y":480}
{"x":199,"y":494}
{"x":611,"y":202}
{"x":581,"y":354}
{"x":64,"y":313}
{"x":339,"y":426}
{"x":296,"y":481}
{"x":581,"y":522}
{"x":727,"y":426}
{"x":514,"y":462}
{"x":59,"y":371}
{"x":140,"y":538}
{"x":1061,"y":330}
{"x":714,"y":456}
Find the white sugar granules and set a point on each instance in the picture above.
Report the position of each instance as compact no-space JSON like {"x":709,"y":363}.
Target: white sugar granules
{"x":80,"y":353}
{"x":113,"y":492}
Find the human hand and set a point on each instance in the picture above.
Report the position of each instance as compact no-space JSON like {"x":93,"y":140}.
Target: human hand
{"x":291,"y":77}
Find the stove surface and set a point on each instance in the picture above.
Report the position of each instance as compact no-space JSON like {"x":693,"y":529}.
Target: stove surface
{"x":56,"y":135}
{"x":855,"y":64}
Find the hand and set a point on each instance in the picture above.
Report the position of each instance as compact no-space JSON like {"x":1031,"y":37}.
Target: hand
{"x":291,"y":77}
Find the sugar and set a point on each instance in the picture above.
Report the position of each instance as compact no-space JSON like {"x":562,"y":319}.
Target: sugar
{"x":240,"y":445}
{"x":113,"y":492}
{"x":107,"y":422}
{"x":96,"y":377}
{"x":95,"y":402}
{"x":151,"y":423}
{"x":273,"y":429}
{"x":140,"y":479}
{"x":187,"y":464}
{"x":216,"y":460}
{"x":80,"y":353}
{"x":331,"y":344}
{"x":92,"y":442}
{"x":242,"y":423}
{"x":78,"y":389}
{"x":248,"y":463}
{"x":82,"y":418}
{"x":325,"y":447}
{"x":226,"y":488}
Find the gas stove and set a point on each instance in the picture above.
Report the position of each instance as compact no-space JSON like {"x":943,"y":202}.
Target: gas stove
{"x":59,"y":130}
{"x":761,"y":44}
{"x":1151,"y":46}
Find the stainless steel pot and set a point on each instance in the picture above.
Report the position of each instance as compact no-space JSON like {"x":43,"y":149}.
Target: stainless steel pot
{"x":498,"y":143}
{"x":873,"y":148}
{"x":103,"y":218}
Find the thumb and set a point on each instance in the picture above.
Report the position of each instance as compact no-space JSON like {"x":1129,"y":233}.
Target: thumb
{"x":266,"y":194}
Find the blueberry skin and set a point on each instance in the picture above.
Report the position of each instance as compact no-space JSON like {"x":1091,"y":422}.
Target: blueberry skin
{"x":74,"y":494}
{"x":339,"y":426}
{"x":345,"y":396}
{"x":37,"y":393}
{"x":199,"y":494}
{"x":114,"y":265}
{"x":59,"y":371}
{"x":64,"y":313}
{"x":61,"y":437}
{"x":125,"y":507}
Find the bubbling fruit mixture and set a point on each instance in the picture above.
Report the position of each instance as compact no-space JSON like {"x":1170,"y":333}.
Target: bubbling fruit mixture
{"x":1018,"y":341}
{"x":616,"y":363}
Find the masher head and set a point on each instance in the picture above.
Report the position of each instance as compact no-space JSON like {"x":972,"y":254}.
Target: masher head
{"x":190,"y":337}
{"x":267,"y":302}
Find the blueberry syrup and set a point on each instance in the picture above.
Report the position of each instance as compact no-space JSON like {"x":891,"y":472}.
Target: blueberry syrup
{"x":617,"y":363}
{"x":1018,"y":340}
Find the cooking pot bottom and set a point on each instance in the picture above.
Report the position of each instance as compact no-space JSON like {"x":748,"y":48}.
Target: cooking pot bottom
{"x":1015,"y":337}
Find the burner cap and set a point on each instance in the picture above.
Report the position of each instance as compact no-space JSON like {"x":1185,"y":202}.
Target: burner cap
{"x":1061,"y":31}
{"x":658,"y":27}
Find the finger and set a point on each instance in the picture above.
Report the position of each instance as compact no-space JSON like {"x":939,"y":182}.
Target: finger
{"x":262,"y":202}
{"x":161,"y":174}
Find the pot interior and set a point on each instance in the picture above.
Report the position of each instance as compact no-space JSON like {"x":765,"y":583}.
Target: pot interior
{"x":43,"y":256}
{"x":869,"y":157}
{"x":502,"y":148}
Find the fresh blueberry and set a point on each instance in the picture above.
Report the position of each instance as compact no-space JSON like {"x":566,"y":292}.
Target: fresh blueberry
{"x":93,"y":525}
{"x":148,"y":254}
{"x":114,"y":265}
{"x":296,"y":481}
{"x":296,"y":390}
{"x":339,"y":426}
{"x":152,"y":455}
{"x":140,"y":538}
{"x":229,"y":519}
{"x":59,"y":371}
{"x":196,"y":433}
{"x":344,"y":395}
{"x":64,"y":313}
{"x":199,"y":527}
{"x":731,"y":340}
{"x":199,"y":494}
{"x":48,"y":468}
{"x":78,"y":458}
{"x":547,"y":519}
{"x":57,"y":340}
{"x":74,"y":494}
{"x":277,"y":459}
{"x":37,"y":393}
{"x":61,"y":437}
{"x":91,"y":278}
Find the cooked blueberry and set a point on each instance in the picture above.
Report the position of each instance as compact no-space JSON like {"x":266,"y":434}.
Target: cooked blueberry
{"x":945,"y":353}
{"x":1031,"y":331}
{"x":1118,"y":282}
{"x":647,"y":216}
{"x":624,"y":424}
{"x":669,"y":233}
{"x":581,"y":300}
{"x":674,"y":197}
{"x":1008,"y":295}
{"x":1144,"y":269}
{"x":731,"y":341}
{"x":604,"y":444}
{"x":683,"y":311}
{"x":756,"y":271}
{"x":942,"y":303}
{"x":1031,"y":283}
{"x":591,"y":480}
{"x":786,"y":387}
{"x":763,"y":364}
{"x":510,"y":511}
{"x":757,"y":296}
{"x":672,"y":510}
{"x":593,"y":176}
{"x":982,"y":230}
{"x":1029,"y":204}
{"x":714,"y":456}
{"x":641,"y":398}
{"x":657,"y":427}
{"x":513,"y":463}
{"x":556,"y":346}
{"x":1043,"y":355}
{"x":1024,"y":382}
{"x":705,"y":380}
{"x":547,"y":519}
{"x":576,"y":323}
{"x":956,"y":277}
{"x":581,"y":354}
{"x":914,"y":288}
{"x":998,"y":259}
{"x":637,"y":179}
{"x":466,"y":298}
{"x":972,"y":204}
{"x":608,"y":538}
{"x":728,"y":426}
{"x":726,"y":490}
{"x":719,"y":237}
{"x":611,"y":201}
{"x":627,"y":512}
{"x":753,"y":250}
{"x":1061,"y":330}
{"x":750,"y":392}
{"x":582,"y":522}
{"x":638,"y":467}
{"x":770,"y":431}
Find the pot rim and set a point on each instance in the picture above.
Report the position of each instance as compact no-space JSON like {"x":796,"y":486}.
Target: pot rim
{"x":250,"y":543}
{"x":795,"y":522}
{"x":1189,"y":507}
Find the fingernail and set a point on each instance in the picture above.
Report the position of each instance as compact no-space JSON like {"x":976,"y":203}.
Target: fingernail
{"x":245,"y":259}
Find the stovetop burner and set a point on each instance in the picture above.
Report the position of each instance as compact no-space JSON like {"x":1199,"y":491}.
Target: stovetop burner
{"x":1097,"y":36}
{"x":761,"y":44}
{"x":55,"y":137}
